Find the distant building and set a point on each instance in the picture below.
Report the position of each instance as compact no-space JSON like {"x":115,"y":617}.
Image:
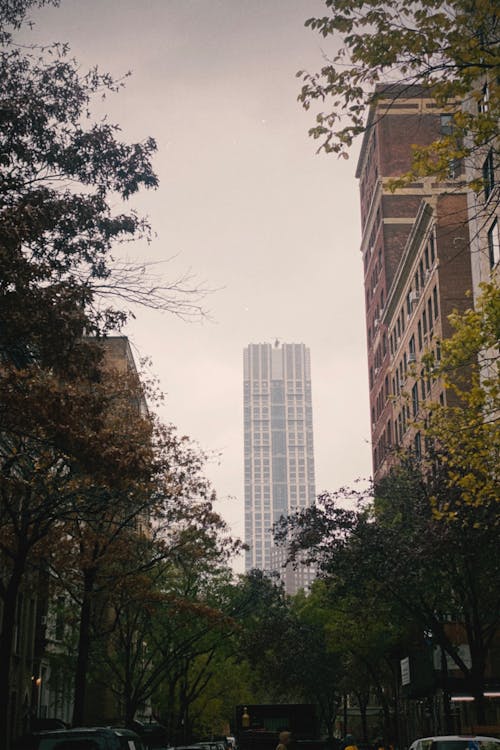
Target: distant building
{"x":417,"y":264}
{"x":279,"y":456}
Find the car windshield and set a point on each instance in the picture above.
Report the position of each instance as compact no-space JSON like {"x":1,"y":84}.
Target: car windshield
{"x":466,"y":744}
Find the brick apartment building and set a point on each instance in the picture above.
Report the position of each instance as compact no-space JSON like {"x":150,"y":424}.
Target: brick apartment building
{"x":416,"y":260}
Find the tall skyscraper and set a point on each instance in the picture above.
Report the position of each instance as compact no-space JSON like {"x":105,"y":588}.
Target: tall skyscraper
{"x":279,"y":457}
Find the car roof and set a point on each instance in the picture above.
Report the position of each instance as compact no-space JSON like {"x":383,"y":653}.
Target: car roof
{"x":86,"y":730}
{"x":456,"y":737}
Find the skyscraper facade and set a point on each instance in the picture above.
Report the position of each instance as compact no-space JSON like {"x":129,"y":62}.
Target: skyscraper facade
{"x":279,"y":456}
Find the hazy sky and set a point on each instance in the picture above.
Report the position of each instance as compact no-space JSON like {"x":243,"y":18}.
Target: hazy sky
{"x":246,"y":204}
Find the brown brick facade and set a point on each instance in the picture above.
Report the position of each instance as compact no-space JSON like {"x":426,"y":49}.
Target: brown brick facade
{"x":415,"y":245}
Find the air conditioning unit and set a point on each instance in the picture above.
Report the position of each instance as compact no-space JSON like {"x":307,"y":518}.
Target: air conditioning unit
{"x":376,"y":322}
{"x":427,"y":274}
{"x":414,"y":297}
{"x":412,"y":357}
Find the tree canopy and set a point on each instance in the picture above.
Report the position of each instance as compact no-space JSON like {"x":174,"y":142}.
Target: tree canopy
{"x":448,"y":49}
{"x":84,"y":467}
{"x":395,"y":553}
{"x":466,"y":434}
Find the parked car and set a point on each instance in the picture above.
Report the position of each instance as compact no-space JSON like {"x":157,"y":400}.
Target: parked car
{"x":153,"y":734}
{"x":456,"y":742}
{"x":39,"y":725}
{"x":84,"y":738}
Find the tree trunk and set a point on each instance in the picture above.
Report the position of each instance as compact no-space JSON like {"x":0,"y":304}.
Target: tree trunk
{"x":82,"y":661}
{"x":448,"y":718}
{"x":479,"y":702}
{"x":6,"y":645}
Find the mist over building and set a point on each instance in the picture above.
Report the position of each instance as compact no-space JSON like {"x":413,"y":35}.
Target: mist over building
{"x":279,"y":455}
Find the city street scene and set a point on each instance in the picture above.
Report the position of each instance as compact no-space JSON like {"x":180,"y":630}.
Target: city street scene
{"x":249,"y":375}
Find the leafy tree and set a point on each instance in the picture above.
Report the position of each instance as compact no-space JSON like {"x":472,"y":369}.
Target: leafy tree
{"x":63,"y":173}
{"x":168,"y":607}
{"x":44,"y":487}
{"x":283,"y":639}
{"x":448,"y":49}
{"x":428,"y":570}
{"x":367,"y":635}
{"x":70,"y":440}
{"x":316,"y":662}
{"x":266,"y":622}
{"x":467,"y":434}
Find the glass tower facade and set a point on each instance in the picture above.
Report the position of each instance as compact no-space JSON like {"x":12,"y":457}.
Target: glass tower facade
{"x":279,"y":456}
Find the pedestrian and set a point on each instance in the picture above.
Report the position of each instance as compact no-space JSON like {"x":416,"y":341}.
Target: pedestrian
{"x":349,"y":743}
{"x":284,"y":740}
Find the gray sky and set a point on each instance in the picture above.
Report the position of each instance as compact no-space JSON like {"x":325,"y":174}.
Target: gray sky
{"x":246,"y":204}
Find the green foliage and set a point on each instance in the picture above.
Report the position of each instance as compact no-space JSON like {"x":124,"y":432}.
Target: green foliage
{"x":467,"y":433}
{"x":83,"y":468}
{"x":444,"y":48}
{"x":394,"y":572}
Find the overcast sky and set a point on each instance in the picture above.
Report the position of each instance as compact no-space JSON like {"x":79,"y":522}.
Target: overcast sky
{"x":246,"y":204}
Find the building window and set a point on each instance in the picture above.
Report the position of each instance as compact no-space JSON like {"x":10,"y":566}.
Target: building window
{"x":494,"y":244}
{"x":488,"y":175}
{"x":483,"y":105}
{"x":414,"y":399}
{"x":446,"y":124}
{"x":432,"y":248}
{"x":411,"y":350}
{"x":417,"y":442}
{"x":435,"y":300}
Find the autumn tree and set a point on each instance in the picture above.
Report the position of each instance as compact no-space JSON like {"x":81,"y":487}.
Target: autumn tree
{"x":167,"y":611}
{"x":66,"y":178}
{"x":449,"y":50}
{"x":467,"y":435}
{"x":53,"y":473}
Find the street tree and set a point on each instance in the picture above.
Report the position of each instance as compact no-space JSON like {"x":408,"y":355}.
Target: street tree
{"x":450,"y":50}
{"x":66,"y":178}
{"x":168,"y":610}
{"x":431,"y":571}
{"x":466,"y":435}
{"x":48,"y":479}
{"x":318,"y":667}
